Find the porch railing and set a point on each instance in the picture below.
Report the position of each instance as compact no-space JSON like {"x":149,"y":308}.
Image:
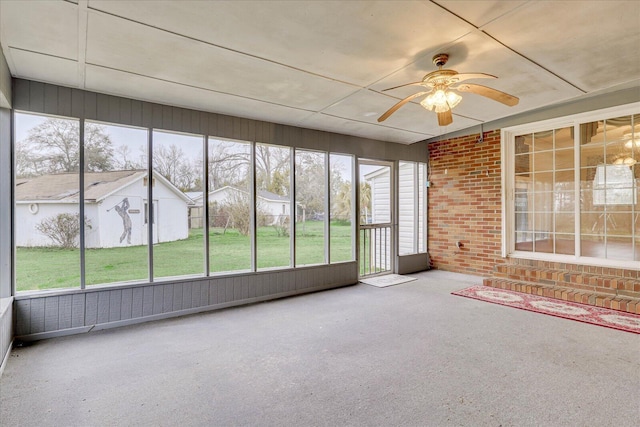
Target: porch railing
{"x":375,"y":249}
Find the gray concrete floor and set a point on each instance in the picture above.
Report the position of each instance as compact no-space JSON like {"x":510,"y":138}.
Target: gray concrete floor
{"x":410,"y":355}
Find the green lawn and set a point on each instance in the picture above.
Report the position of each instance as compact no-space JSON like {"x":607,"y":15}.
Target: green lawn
{"x":46,"y":268}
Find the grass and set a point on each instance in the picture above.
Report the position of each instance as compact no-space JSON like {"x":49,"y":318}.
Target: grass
{"x":48,"y":268}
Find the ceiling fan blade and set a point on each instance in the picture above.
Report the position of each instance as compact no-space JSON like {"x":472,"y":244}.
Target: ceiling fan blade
{"x":494,"y":94}
{"x":445,"y":118}
{"x":406,"y":84}
{"x":393,"y":109}
{"x":466,"y":76}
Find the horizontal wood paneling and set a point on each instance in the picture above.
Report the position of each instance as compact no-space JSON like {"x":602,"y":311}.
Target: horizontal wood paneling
{"x":37,"y":316}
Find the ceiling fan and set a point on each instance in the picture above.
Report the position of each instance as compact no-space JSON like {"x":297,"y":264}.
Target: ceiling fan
{"x":441,"y":98}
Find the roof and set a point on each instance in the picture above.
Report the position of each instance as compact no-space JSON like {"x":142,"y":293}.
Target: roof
{"x":64,"y":187}
{"x":262,"y":194}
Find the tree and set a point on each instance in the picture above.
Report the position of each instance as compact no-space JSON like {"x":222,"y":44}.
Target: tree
{"x":238,"y":207}
{"x":63,"y":229}
{"x":310,"y":182}
{"x":272,"y":169}
{"x":228,"y":164}
{"x":171,"y":163}
{"x":54,"y":147}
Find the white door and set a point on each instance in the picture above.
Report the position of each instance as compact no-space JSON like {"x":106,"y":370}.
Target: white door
{"x":375,"y":207}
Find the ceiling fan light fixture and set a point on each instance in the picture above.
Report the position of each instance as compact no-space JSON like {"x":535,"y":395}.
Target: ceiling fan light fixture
{"x":441,"y":101}
{"x":627,"y":161}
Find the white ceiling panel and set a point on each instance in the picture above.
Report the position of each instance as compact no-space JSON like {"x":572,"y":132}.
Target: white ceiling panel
{"x":480,"y":13}
{"x":324,"y":64}
{"x":45,"y":27}
{"x":592,"y":44}
{"x":349,"y":127}
{"x":140,"y":49}
{"x":139,"y":87}
{"x":45,"y":68}
{"x":353,"y":41}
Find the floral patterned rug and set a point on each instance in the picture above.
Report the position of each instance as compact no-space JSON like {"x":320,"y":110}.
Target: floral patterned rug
{"x":565,"y":309}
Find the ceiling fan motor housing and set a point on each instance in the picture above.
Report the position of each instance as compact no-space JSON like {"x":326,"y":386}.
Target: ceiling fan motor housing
{"x":440,"y":59}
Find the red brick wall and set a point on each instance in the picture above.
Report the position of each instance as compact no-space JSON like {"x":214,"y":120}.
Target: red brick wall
{"x":465,"y":204}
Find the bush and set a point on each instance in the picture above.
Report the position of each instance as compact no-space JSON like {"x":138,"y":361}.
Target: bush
{"x":63,"y":229}
{"x":237,"y":207}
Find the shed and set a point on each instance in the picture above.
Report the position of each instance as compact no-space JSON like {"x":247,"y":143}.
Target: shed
{"x":116,"y":207}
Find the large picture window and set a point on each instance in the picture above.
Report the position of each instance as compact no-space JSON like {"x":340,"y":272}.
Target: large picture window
{"x":102,"y":204}
{"x":572,"y":188}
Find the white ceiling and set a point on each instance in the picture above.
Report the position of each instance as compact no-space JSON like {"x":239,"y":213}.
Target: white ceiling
{"x":323,"y":64}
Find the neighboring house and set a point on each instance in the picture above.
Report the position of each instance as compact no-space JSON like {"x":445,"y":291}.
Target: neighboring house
{"x":274,"y":205}
{"x":115,"y":208}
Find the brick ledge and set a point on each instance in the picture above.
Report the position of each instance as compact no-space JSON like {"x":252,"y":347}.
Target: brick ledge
{"x":614,"y":302}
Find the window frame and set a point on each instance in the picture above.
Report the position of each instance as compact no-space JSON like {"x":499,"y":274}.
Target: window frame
{"x":508,"y":185}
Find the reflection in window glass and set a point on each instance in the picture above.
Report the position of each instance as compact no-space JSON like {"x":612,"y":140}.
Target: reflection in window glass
{"x":310,"y":207}
{"x":47,"y":213}
{"x":544,"y":187}
{"x":341,"y":224}
{"x":177,"y":179}
{"x":230,"y":206}
{"x":115,"y":193}
{"x":608,"y":184}
{"x":273,"y":206}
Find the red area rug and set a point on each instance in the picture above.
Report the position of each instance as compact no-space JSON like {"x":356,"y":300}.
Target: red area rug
{"x":565,"y":309}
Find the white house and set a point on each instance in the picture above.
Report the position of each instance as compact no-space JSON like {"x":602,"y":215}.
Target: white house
{"x":116,"y":206}
{"x":272,"y":204}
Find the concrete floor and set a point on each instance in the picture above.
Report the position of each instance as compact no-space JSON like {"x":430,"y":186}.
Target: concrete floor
{"x":410,"y":355}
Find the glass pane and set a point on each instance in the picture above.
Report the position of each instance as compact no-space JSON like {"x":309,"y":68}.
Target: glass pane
{"x":565,"y":244}
{"x":524,"y":241}
{"x":591,"y":155}
{"x":620,"y":248}
{"x":230,"y":205}
{"x":177,"y":177}
{"x":375,"y":195}
{"x":543,"y":141}
{"x":523,"y":144}
{"x":564,"y":138}
{"x":621,"y":224}
{"x":592,"y":246}
{"x":523,"y":164}
{"x":543,"y":181}
{"x":115,"y":232}
{"x":407,"y":211}
{"x":565,"y":223}
{"x":564,"y":201}
{"x":47,"y":212}
{"x":543,"y":161}
{"x":564,"y":159}
{"x":311,"y":189}
{"x":523,"y":221}
{"x":341,"y":225}
{"x":273,"y":207}
{"x":543,"y":202}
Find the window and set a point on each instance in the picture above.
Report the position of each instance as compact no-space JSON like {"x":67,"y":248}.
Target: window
{"x":572,"y":188}
{"x":230,"y":205}
{"x":145,"y":216}
{"x":342,"y":195}
{"x":311,"y":199}
{"x":273,"y":191}
{"x":47,"y":208}
{"x":177,"y":177}
{"x":115,"y":195}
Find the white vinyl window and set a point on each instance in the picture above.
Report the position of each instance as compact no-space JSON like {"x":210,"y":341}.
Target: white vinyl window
{"x":571,"y":188}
